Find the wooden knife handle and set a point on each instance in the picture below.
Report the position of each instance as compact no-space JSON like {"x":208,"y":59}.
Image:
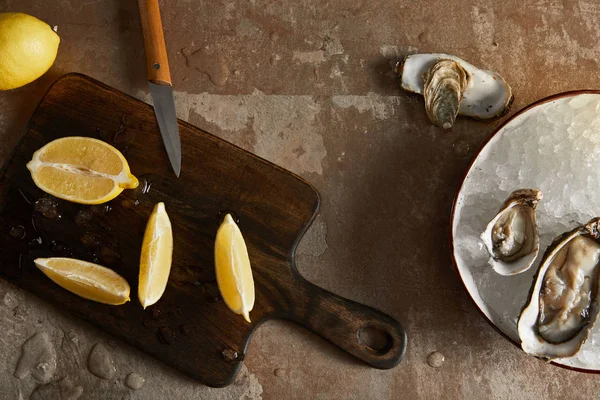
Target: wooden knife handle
{"x":366,"y":333}
{"x":154,"y":42}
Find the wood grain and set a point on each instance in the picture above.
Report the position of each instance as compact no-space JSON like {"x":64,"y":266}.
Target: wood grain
{"x":154,"y":42}
{"x":190,"y":328}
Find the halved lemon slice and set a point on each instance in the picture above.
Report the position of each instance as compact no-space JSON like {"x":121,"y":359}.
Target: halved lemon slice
{"x":232,"y":265}
{"x":155,"y":261}
{"x":85,"y":279}
{"x":81,"y":169}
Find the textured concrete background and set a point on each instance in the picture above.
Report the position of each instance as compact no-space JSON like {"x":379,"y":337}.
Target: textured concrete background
{"x":307,"y":85}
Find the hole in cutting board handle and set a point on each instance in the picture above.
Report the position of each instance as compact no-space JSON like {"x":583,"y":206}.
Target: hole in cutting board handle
{"x":375,"y":339}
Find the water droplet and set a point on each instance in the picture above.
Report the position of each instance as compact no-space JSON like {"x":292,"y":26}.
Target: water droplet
{"x":435,"y":359}
{"x":211,"y":292}
{"x":424,"y":36}
{"x":18,"y":232}
{"x":34,"y":224}
{"x":63,"y":390}
{"x":212,"y":64}
{"x":84,"y":216}
{"x":100,"y":362}
{"x":274,"y":36}
{"x":144,"y":186}
{"x":35,"y":242}
{"x":47,"y":207}
{"x":72,"y":336}
{"x":38,"y":358}
{"x":166,"y":335}
{"x":10,"y":300}
{"x":187,"y":275}
{"x":27,"y":200}
{"x":94,"y":258}
{"x":155,"y":312}
{"x":101,"y":209}
{"x":20,"y":264}
{"x":274,"y":59}
{"x":122,"y":128}
{"x":20,"y":312}
{"x":461,"y":148}
{"x":230,"y":355}
{"x":134,"y":381}
{"x":130,"y":203}
{"x":91,"y":240}
{"x":221,"y":215}
{"x":185,"y":329}
{"x":108,"y":255}
{"x":60,"y":249}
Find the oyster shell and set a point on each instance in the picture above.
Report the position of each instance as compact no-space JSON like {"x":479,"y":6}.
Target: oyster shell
{"x":443,"y":91}
{"x":487,"y":95}
{"x":563,"y":302}
{"x":512,"y":237}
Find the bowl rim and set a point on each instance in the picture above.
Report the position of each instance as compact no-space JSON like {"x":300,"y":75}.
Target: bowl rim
{"x":536,"y":103}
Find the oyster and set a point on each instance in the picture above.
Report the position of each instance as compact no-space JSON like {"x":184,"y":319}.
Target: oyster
{"x":486,"y":95}
{"x":443,"y":90}
{"x":512,"y":237}
{"x":563,"y":302}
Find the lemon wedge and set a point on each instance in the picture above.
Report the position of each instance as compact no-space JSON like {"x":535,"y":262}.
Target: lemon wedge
{"x":81,"y":169}
{"x":232,"y":265}
{"x":155,"y":261}
{"x":85,"y":279}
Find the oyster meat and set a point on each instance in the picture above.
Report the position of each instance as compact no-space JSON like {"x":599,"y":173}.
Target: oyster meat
{"x":486,"y":95}
{"x":512,"y":237}
{"x":563,"y":302}
{"x":443,"y":90}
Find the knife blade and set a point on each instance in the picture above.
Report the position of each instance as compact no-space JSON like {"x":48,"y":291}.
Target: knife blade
{"x":159,"y":80}
{"x":164,"y":109}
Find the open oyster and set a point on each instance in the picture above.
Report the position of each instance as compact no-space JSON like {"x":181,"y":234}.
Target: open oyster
{"x":486,"y":95}
{"x":563,"y":302}
{"x":512,"y":237}
{"x":443,"y":91}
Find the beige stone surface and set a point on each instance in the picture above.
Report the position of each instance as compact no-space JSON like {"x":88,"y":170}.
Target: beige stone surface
{"x":308,"y":85}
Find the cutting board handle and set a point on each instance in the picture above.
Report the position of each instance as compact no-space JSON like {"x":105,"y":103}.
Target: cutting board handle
{"x":366,"y":333}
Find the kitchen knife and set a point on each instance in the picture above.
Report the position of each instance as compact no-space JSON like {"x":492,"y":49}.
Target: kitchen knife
{"x":159,"y":78}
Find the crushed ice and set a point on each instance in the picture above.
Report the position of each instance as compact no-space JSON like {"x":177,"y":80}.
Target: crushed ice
{"x":554,"y":147}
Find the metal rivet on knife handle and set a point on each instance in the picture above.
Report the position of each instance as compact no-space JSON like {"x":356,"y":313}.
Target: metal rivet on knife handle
{"x":154,"y":42}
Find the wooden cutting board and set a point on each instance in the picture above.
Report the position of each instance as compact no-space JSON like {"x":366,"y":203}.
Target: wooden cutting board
{"x":190,"y":328}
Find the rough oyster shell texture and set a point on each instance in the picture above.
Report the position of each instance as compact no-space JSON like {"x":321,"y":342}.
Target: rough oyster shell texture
{"x":486,"y":95}
{"x":443,"y":91}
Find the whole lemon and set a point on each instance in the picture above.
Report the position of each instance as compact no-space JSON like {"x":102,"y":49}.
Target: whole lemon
{"x":28,"y":49}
